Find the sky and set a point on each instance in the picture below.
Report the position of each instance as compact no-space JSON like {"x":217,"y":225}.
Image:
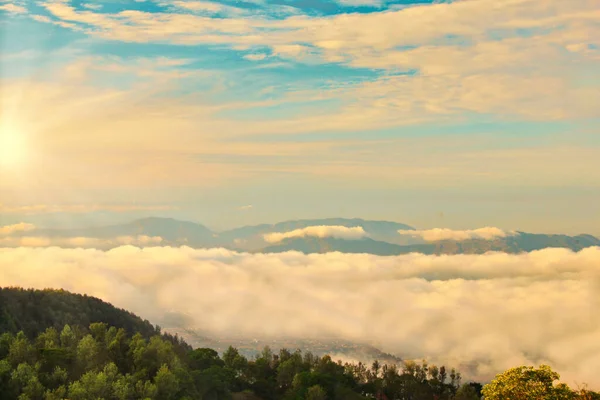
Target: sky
{"x":438,"y":114}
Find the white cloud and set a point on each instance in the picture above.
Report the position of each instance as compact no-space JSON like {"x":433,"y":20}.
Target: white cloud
{"x":20,"y":227}
{"x":245,"y":208}
{"x":517,"y":76}
{"x":322,"y":231}
{"x":437,"y":234}
{"x":13,"y":8}
{"x":361,"y":3}
{"x":495,"y":310}
{"x":92,"y":6}
{"x":205,"y":6}
{"x":255,"y":56}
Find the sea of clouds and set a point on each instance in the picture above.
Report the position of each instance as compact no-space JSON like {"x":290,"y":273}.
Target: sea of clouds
{"x":481,"y":313}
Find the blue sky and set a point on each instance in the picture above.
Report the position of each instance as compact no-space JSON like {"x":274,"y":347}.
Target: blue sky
{"x":485,"y":111}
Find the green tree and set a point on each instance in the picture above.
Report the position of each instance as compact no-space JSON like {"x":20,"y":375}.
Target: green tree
{"x":49,"y":339}
{"x":67,"y":337}
{"x":124,"y":387}
{"x":466,"y":392}
{"x":95,"y":385}
{"x":25,"y":379}
{"x":60,"y":393}
{"x":88,"y":353}
{"x":316,"y":392}
{"x":20,"y":350}
{"x":166,"y":383}
{"x":201,"y":359}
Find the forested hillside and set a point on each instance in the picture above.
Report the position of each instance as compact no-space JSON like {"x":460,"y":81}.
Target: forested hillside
{"x":33,"y":311}
{"x":100,"y":361}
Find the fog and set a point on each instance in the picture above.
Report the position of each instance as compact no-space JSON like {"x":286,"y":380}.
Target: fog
{"x":481,"y":313}
{"x":76,"y":242}
{"x":432,"y":235}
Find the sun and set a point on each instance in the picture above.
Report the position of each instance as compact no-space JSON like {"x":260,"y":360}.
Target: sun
{"x":12,"y":147}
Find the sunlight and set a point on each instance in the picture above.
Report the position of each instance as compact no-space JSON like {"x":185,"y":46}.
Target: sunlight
{"x":13,"y":148}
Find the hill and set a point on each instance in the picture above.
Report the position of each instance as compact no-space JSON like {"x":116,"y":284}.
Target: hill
{"x":33,"y":311}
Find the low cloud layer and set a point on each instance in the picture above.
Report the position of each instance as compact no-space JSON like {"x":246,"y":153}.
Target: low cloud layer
{"x":437,"y":234}
{"x":83,"y":242}
{"x":322,"y":231}
{"x":482,"y":313}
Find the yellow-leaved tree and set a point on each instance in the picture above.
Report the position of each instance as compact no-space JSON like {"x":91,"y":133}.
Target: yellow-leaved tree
{"x":528,"y":383}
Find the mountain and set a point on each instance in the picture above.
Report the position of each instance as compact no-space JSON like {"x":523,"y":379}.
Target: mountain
{"x":309,"y":245}
{"x":382,"y":238}
{"x":172,"y":231}
{"x":251,"y":237}
{"x":523,"y":242}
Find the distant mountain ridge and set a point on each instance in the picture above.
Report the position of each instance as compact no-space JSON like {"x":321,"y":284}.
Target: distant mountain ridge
{"x":524,"y":242}
{"x":251,"y":237}
{"x":171,"y":230}
{"x":382,"y":238}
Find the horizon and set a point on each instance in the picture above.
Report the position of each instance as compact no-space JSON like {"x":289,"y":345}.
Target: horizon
{"x":125,"y":221}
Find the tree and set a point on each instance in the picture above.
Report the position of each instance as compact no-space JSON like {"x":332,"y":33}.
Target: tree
{"x":88,"y":353}
{"x":95,"y":385}
{"x":20,"y":351}
{"x":466,"y":392}
{"x":201,"y":359}
{"x":316,"y":392}
{"x":166,"y":383}
{"x":25,"y":380}
{"x":67,"y":337}
{"x":527,"y":383}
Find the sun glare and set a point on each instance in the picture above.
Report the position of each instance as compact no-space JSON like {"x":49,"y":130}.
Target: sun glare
{"x":12,"y":147}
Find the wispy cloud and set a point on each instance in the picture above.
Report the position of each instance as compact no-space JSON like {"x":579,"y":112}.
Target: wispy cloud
{"x":361,"y":3}
{"x":443,"y":83}
{"x":78,"y":242}
{"x":437,"y":234}
{"x":11,"y":229}
{"x":92,"y":6}
{"x":340,"y":232}
{"x":79,"y":208}
{"x":245,"y":208}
